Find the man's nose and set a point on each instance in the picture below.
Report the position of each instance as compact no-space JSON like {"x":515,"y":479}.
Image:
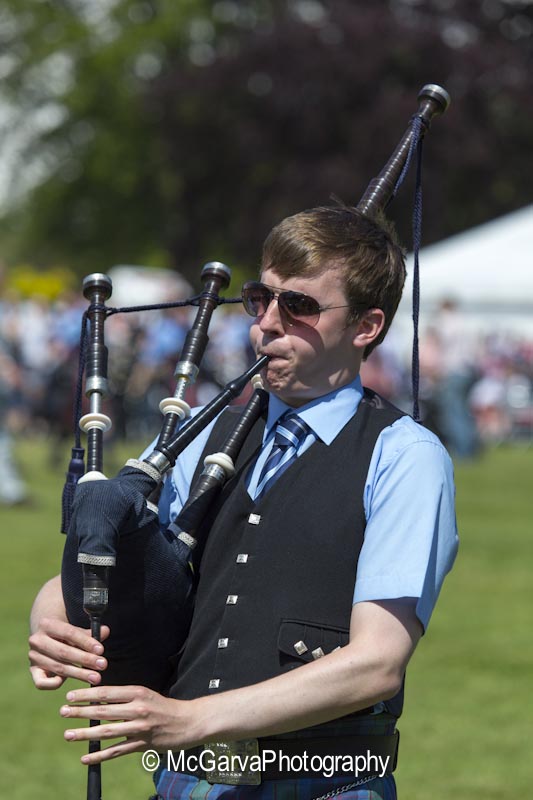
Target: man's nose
{"x":272,"y":320}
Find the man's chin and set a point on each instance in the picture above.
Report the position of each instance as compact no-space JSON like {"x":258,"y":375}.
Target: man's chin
{"x":275,"y":376}
{"x":290,"y":393}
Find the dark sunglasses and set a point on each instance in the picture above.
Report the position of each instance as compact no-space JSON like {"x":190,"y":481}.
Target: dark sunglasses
{"x":295,"y":307}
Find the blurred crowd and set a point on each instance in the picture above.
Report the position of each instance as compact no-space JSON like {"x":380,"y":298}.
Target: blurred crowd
{"x":473,"y":390}
{"x":39,"y":356}
{"x":476,"y":388}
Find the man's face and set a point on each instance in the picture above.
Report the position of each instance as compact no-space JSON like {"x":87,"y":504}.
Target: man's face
{"x":307,"y":362}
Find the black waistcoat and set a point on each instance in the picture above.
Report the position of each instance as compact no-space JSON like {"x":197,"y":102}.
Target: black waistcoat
{"x":277,"y":577}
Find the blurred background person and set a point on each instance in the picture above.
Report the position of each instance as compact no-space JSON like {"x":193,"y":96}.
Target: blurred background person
{"x":454,"y":372}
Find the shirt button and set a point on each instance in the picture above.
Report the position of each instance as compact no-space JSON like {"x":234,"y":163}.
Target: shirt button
{"x":232,"y":599}
{"x":242,"y":558}
{"x":214,"y":683}
{"x":223,"y":643}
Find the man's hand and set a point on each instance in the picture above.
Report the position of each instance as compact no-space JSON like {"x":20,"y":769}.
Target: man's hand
{"x":59,"y":650}
{"x":145,"y":720}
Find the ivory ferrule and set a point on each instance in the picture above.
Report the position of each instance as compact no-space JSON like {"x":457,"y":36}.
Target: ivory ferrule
{"x":175,"y":405}
{"x":96,"y":421}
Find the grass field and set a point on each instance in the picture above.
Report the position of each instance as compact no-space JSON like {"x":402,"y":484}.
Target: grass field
{"x":467,"y":728}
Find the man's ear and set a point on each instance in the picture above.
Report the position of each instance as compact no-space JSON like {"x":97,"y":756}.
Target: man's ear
{"x":369,"y":327}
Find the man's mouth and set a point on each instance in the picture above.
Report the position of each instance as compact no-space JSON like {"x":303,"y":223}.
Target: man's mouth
{"x":272,"y":355}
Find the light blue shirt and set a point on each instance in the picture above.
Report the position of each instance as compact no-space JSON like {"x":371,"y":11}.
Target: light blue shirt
{"x":410,"y":539}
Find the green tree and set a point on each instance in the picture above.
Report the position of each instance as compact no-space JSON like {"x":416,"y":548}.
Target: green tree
{"x":75,"y":78}
{"x":183,"y":131}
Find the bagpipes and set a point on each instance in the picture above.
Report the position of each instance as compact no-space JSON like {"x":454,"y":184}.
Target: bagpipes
{"x":117,"y":564}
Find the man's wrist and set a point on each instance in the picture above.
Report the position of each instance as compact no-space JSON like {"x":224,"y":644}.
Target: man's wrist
{"x":193,"y":723}
{"x":205,"y":718}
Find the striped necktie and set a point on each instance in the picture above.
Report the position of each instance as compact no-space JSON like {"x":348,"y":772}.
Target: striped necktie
{"x":290,"y":433}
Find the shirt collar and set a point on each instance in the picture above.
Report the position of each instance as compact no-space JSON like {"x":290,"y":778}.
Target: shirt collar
{"x":325,"y":415}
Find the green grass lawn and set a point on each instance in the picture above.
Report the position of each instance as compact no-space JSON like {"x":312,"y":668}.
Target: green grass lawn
{"x":467,"y":728}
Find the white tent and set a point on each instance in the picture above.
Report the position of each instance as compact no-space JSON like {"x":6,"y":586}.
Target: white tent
{"x":488,"y":270}
{"x":135,"y":285}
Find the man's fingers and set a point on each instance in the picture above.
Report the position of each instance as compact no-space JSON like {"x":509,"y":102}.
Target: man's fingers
{"x":43,"y":680}
{"x":112,"y":730}
{"x":111,"y":711}
{"x":110,"y":694}
{"x":114,"y":751}
{"x":52,"y":667}
{"x":63,"y":649}
{"x":64,"y":653}
{"x":104,"y":632}
{"x":71,"y":635}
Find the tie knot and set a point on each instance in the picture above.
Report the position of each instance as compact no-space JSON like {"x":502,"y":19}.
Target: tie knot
{"x":290,"y":431}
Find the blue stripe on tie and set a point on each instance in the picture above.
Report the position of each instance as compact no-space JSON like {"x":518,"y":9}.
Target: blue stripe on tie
{"x":290,"y":433}
{"x":292,"y":437}
{"x":287,"y":455}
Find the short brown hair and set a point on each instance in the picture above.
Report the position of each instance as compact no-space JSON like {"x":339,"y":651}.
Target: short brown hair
{"x":365,"y":249}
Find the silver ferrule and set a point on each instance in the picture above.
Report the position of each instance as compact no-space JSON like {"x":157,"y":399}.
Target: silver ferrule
{"x":96,"y":561}
{"x":96,"y":384}
{"x":95,"y":597}
{"x":148,"y":469}
{"x":186,"y":369}
{"x":219,"y":268}
{"x":159,"y":461}
{"x":216,"y":471}
{"x":437,"y":92}
{"x":98,"y":280}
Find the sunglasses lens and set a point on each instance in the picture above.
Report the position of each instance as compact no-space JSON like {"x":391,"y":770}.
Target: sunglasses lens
{"x":295,"y":306}
{"x":256,"y":298}
{"x":300,"y":307}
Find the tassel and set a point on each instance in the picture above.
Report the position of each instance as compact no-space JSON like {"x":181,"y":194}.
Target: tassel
{"x":76,"y":469}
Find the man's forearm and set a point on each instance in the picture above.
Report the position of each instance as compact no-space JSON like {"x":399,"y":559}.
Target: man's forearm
{"x":368,"y":670}
{"x":335,"y":685}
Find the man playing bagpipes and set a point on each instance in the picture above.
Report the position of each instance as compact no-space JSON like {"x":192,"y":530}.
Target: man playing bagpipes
{"x":325,"y":553}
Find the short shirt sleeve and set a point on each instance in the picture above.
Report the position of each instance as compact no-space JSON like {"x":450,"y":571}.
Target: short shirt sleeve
{"x":411,"y":535}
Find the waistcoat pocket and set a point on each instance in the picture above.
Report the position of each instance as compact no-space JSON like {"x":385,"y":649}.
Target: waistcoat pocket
{"x":301,"y":641}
